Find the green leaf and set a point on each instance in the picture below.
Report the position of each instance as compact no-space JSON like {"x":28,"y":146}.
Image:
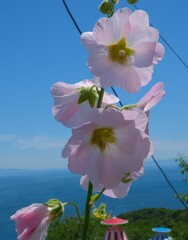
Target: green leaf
{"x":92,"y":99}
{"x":88,"y":94}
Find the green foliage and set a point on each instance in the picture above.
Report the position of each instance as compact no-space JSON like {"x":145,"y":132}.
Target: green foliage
{"x":141,"y":222}
{"x":139,"y":227}
{"x":184,"y":171}
{"x":183,"y":166}
{"x":68,"y":229}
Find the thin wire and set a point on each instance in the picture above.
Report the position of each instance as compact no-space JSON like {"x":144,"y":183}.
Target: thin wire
{"x":114,"y":91}
{"x":170,"y":184}
{"x":168,"y":44}
{"x":71,"y":16}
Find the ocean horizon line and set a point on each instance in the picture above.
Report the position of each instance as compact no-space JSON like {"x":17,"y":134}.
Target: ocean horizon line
{"x":147,"y":162}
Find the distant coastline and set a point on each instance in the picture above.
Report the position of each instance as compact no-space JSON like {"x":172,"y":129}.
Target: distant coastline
{"x":22,"y":187}
{"x":148,"y":163}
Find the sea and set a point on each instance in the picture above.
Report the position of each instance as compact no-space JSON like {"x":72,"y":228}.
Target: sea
{"x":20,"y":188}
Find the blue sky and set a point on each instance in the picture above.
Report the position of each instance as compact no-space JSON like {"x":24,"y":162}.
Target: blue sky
{"x":40,"y":46}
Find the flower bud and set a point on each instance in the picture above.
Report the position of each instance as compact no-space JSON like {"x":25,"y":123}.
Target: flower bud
{"x":115,"y":1}
{"x":107,"y":7}
{"x":132,"y":1}
{"x":88,"y":94}
{"x":32,"y":222}
{"x":94,"y":198}
{"x":56,"y":208}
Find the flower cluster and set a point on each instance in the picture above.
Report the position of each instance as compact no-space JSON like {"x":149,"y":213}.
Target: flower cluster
{"x":109,"y":144}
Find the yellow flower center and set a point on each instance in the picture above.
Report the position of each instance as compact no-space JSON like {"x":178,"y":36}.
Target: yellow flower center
{"x":101,"y":137}
{"x":119,"y":53}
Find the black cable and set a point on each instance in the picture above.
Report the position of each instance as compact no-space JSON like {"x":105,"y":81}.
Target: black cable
{"x":71,"y":16}
{"x":114,"y":91}
{"x":168,"y":44}
{"x":76,"y":25}
{"x":168,"y":181}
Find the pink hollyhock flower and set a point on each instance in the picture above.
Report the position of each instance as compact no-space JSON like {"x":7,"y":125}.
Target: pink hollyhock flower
{"x":123,"y":49}
{"x":73,"y":102}
{"x":32,"y":222}
{"x":152,"y":97}
{"x":119,"y":191}
{"x":113,"y":144}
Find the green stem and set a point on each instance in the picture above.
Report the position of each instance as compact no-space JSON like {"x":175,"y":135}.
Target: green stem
{"x":87,"y":211}
{"x":113,"y":106}
{"x":90,"y":186}
{"x":100,"y":98}
{"x":77,"y":211}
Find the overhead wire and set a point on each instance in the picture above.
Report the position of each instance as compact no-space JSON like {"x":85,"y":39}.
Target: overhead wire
{"x":168,"y":181}
{"x":114,"y":91}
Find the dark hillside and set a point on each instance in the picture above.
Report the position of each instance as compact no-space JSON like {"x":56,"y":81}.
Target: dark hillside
{"x":139,"y":227}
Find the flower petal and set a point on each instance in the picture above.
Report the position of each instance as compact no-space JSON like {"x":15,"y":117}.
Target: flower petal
{"x":152,"y":97}
{"x":159,"y":54}
{"x":85,"y":156}
{"x":120,"y":191}
{"x":140,"y":30}
{"x":144,"y":54}
{"x":112,"y":168}
{"x":42,"y":230}
{"x":145,"y":74}
{"x":129,"y":80}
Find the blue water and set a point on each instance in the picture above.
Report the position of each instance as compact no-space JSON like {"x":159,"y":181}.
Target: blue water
{"x":19,"y":188}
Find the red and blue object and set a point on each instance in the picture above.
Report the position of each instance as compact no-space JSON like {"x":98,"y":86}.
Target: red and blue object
{"x":115,"y":232}
{"x":161,"y":233}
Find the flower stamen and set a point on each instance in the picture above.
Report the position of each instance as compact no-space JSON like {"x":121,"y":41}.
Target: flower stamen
{"x":101,"y":137}
{"x":122,"y":53}
{"x":119,"y":52}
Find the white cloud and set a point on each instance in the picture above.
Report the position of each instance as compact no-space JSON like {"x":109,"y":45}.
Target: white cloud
{"x":7,"y":138}
{"x":38,"y":142}
{"x":163,"y":149}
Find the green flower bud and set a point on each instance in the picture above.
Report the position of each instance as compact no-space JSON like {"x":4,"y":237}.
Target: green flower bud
{"x":94,"y":198}
{"x":107,"y":7}
{"x":57,"y":208}
{"x":115,"y":1}
{"x":88,"y":94}
{"x":132,"y":1}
